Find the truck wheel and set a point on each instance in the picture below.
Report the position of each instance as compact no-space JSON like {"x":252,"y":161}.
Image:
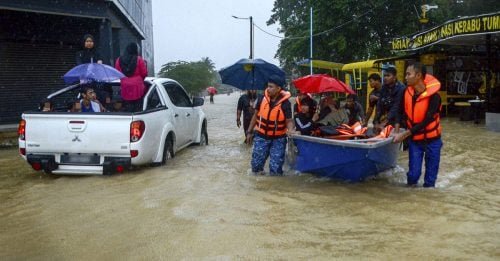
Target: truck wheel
{"x":168,"y":151}
{"x":203,"y":135}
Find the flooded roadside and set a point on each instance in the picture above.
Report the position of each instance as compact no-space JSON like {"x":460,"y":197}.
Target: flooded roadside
{"x":205,"y":205}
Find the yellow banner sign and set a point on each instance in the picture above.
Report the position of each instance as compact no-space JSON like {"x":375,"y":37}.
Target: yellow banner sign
{"x":464,"y":26}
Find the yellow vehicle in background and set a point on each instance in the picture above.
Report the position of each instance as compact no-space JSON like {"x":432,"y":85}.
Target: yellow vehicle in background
{"x":356,"y":74}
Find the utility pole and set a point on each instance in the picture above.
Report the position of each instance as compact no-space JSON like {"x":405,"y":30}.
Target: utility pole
{"x":311,"y":42}
{"x":251,"y":32}
{"x":251,"y":37}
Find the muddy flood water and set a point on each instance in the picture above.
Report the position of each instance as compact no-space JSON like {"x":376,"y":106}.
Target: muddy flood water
{"x":205,"y":205}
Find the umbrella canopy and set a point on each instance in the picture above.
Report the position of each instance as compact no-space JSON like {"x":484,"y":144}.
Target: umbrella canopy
{"x":250,"y":74}
{"x":319,"y":83}
{"x":89,"y":72}
{"x":211,"y":90}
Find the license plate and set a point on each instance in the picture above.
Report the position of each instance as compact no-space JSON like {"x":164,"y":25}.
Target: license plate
{"x":80,"y":159}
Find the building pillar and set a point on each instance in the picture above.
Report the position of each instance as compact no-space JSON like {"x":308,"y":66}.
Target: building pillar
{"x":105,"y":42}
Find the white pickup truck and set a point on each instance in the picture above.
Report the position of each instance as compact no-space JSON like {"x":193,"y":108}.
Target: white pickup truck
{"x":63,"y":142}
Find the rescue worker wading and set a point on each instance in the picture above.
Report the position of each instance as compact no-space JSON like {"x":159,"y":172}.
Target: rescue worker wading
{"x":270,"y":124}
{"x":422,"y":106}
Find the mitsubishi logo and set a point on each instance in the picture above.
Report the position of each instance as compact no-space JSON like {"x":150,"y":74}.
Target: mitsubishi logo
{"x":76,"y":139}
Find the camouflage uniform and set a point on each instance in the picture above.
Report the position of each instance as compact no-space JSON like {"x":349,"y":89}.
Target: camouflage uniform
{"x":261,"y":150}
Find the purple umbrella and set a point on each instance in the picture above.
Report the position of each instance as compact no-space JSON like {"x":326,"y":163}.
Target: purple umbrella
{"x":89,"y":72}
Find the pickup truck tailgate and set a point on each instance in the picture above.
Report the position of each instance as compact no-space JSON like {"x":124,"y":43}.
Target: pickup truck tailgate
{"x":64,"y":133}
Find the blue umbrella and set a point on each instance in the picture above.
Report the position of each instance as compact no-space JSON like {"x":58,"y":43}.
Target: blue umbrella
{"x":89,"y":72}
{"x":249,"y":74}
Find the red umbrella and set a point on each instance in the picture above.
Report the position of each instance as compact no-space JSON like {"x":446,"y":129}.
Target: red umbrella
{"x":319,"y":83}
{"x":211,"y":90}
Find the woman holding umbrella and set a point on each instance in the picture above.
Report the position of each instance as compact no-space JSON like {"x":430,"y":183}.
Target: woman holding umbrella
{"x":211,"y":92}
{"x":135,"y":70}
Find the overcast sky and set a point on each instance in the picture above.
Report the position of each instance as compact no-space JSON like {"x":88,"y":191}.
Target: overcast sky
{"x":188,"y":30}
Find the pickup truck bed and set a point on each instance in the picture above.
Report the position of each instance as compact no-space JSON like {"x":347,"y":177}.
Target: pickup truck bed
{"x":62,"y":142}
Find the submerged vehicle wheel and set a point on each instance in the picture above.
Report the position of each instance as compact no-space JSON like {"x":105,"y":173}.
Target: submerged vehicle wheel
{"x":203,"y":135}
{"x":168,"y":151}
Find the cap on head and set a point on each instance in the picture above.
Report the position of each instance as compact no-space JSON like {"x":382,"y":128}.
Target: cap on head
{"x":280,"y":81}
{"x":391,"y":70}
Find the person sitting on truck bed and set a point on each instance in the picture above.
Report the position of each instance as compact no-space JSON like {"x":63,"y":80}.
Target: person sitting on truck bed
{"x":87,"y":104}
{"x":46,"y":105}
{"x":94,"y":99}
{"x":117,"y":106}
{"x":74,"y":106}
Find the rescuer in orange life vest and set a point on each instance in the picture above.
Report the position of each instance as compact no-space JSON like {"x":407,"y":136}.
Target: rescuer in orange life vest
{"x":270,"y":124}
{"x":422,"y":107}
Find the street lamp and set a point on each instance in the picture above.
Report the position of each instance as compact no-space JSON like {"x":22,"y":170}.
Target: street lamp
{"x":251,"y":32}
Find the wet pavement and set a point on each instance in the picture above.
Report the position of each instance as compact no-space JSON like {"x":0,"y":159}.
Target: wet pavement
{"x":204,"y":205}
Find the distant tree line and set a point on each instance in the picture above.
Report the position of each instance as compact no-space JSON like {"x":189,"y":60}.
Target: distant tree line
{"x":193,"y":76}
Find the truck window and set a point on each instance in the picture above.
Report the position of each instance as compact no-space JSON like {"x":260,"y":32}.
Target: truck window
{"x":177,"y":95}
{"x":153,"y":100}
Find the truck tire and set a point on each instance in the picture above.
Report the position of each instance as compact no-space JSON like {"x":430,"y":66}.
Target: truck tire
{"x":203,"y":135}
{"x":168,"y":150}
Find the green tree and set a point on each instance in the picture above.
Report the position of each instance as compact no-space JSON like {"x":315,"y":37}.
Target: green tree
{"x":194,"y":76}
{"x":352,"y":30}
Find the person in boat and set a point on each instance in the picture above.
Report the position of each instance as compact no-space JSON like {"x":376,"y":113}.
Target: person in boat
{"x":270,"y":124}
{"x":298,"y":101}
{"x":388,"y":105}
{"x":354,"y":109}
{"x":376,"y":83}
{"x":336,"y":116}
{"x":246,"y":104}
{"x":303,"y":119}
{"x":422,"y":108}
{"x":324,"y":107}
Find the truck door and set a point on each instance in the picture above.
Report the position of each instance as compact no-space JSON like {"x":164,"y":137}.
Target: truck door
{"x":185,"y":120}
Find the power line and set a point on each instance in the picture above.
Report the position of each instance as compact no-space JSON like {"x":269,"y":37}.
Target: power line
{"x":316,"y":34}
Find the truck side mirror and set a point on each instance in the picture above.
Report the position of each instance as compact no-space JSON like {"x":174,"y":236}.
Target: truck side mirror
{"x":197,"y":101}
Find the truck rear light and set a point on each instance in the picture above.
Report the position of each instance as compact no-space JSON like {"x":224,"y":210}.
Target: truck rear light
{"x":134,"y":153}
{"x":136,"y":130}
{"x":36,"y":165}
{"x":22,"y":151}
{"x":21,"y":131}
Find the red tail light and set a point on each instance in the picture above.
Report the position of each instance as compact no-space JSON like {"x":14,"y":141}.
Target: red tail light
{"x":119,"y":169}
{"x":22,"y":151}
{"x":134,"y":153}
{"x":36,"y":165}
{"x":136,"y":130}
{"x":21,"y":131}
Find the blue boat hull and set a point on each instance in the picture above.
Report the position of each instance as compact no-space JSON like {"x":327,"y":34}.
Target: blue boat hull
{"x":351,"y":161}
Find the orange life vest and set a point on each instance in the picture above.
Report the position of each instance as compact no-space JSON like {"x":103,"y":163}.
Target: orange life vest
{"x":297,"y":101}
{"x":271,"y":122}
{"x":416,"y":111}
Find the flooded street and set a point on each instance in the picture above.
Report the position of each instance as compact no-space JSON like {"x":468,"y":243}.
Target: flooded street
{"x":204,"y":205}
